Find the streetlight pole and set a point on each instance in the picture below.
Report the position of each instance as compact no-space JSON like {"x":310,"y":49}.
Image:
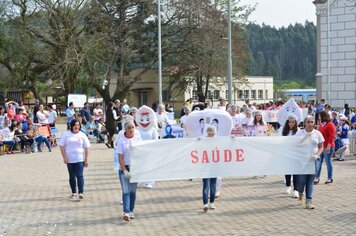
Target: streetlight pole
{"x":229,"y":59}
{"x":159,"y":53}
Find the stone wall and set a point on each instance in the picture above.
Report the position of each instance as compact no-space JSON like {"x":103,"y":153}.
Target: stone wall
{"x":342,"y":57}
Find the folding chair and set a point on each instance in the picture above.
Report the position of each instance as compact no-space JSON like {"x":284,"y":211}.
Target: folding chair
{"x":55,"y":134}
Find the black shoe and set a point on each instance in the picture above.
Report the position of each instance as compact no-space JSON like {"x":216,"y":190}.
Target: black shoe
{"x":329,"y":181}
{"x":316,"y":181}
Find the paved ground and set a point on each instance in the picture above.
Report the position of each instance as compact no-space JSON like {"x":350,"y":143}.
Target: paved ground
{"x":34,"y":194}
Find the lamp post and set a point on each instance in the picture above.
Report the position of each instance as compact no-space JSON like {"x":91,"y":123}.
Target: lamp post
{"x":159,"y":52}
{"x":229,"y":56}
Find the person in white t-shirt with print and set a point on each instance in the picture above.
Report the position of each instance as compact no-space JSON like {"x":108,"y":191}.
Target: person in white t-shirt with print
{"x":98,"y":113}
{"x":74,"y":146}
{"x":122,"y":164}
{"x":316,"y":139}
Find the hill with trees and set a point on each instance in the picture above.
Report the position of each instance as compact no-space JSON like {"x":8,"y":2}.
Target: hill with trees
{"x":288,"y":53}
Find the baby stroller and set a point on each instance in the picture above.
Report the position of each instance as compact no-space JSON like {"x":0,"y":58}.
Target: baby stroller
{"x":340,"y":146}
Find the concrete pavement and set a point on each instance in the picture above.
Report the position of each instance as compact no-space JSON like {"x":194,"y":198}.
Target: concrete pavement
{"x":34,"y":200}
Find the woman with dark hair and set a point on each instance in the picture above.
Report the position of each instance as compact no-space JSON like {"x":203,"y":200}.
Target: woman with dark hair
{"x":346,"y":110}
{"x":328,"y":130}
{"x":74,"y":147}
{"x":257,"y":126}
{"x":290,"y":128}
{"x":305,"y":182}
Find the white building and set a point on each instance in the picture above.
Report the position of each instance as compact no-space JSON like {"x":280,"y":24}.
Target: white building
{"x":257,"y":89}
{"x":336,"y":52}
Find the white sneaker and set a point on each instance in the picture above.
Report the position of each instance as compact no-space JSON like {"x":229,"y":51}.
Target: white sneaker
{"x":126,"y":217}
{"x":81,"y":196}
{"x":212,"y":206}
{"x":132,"y":215}
{"x":206,"y":208}
{"x":149,"y":186}
{"x":289,"y":190}
{"x":73,"y":196}
{"x":295,"y":194}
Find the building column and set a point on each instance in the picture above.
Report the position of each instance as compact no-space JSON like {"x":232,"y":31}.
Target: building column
{"x":321,"y":10}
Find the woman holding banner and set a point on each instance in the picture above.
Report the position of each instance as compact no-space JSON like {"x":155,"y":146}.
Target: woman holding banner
{"x":290,"y":128}
{"x":209,"y":184}
{"x":316,"y":139}
{"x":122,"y":164}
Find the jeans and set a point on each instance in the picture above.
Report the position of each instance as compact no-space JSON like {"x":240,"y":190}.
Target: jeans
{"x":209,"y":184}
{"x":75,"y":171}
{"x":288,"y":182}
{"x":307,"y":182}
{"x":11,"y":144}
{"x":42,"y":139}
{"x":128,"y":193}
{"x":329,"y":163}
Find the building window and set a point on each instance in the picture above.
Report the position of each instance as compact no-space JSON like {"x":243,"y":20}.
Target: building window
{"x":166,"y":95}
{"x":260,"y":94}
{"x":246,"y":94}
{"x":266,"y":94}
{"x":240,"y":94}
{"x":195,"y":95}
{"x":253,"y":94}
{"x":216,"y":94}
{"x":209,"y":96}
{"x":226,"y":94}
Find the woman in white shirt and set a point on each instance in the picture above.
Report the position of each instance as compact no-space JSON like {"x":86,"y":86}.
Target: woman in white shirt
{"x":7,"y":137}
{"x":257,"y":127}
{"x":42,"y":116}
{"x":122,"y":164}
{"x":316,"y":139}
{"x":74,"y":146}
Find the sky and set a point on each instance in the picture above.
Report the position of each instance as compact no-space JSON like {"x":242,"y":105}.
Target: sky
{"x":280,"y":13}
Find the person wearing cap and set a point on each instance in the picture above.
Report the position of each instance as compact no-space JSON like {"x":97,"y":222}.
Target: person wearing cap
{"x":290,"y":128}
{"x":316,"y":139}
{"x":328,"y":130}
{"x":343,"y":133}
{"x":122,"y":165}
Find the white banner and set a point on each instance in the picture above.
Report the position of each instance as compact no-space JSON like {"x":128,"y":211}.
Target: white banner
{"x":174,"y":159}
